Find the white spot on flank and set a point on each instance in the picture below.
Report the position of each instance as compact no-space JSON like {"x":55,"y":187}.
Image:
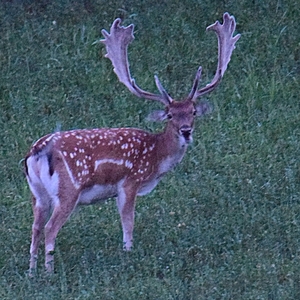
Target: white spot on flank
{"x":151,"y":147}
{"x":118,"y":162}
{"x":128,"y":164}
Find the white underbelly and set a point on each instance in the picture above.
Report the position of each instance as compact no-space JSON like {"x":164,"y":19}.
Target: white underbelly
{"x":148,"y":187}
{"x":102,"y":192}
{"x":97,"y":193}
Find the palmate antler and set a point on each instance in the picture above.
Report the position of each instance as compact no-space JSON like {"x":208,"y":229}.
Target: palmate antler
{"x":120,"y":37}
{"x":116,"y":46}
{"x":226,"y":44}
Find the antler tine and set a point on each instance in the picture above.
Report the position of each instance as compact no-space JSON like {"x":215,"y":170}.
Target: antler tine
{"x":116,"y":43}
{"x":195,"y":84}
{"x":226,"y":44}
{"x":162,"y":91}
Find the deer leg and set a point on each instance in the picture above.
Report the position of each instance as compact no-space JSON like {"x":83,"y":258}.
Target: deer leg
{"x":59,"y":216}
{"x":126,"y":205}
{"x":41,"y":214}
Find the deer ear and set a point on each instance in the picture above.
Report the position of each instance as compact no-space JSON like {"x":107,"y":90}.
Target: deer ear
{"x":157,"y":116}
{"x":203,"y":108}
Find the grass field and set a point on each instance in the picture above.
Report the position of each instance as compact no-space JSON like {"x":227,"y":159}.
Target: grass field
{"x":225,"y":223}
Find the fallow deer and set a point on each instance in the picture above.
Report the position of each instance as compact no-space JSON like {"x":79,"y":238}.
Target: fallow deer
{"x":77,"y":167}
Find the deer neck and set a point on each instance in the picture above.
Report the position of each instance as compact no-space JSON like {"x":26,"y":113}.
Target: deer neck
{"x":171,"y":147}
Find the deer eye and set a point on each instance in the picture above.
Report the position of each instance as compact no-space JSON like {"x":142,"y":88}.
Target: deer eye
{"x":169,"y":116}
{"x":195,"y":112}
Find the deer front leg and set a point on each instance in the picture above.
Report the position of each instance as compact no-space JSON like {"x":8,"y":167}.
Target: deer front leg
{"x":126,"y":204}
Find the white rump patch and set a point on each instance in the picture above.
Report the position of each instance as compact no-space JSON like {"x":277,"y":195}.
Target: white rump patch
{"x":42,"y":185}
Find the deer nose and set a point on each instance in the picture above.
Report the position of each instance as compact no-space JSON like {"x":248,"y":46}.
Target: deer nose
{"x":186,"y":132}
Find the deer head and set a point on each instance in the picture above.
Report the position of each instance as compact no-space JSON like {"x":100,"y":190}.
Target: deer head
{"x":180,"y":114}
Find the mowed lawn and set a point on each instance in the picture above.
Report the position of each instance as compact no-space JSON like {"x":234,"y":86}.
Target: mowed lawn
{"x":225,"y":223}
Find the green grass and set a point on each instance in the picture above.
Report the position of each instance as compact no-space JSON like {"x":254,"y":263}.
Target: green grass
{"x":225,"y":223}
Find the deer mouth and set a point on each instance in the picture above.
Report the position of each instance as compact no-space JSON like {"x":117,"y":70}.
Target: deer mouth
{"x":186,"y":132}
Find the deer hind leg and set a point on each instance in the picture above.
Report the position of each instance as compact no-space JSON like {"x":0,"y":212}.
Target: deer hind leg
{"x":41,"y":204}
{"x":41,"y":213}
{"x":61,"y":212}
{"x":126,"y":205}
